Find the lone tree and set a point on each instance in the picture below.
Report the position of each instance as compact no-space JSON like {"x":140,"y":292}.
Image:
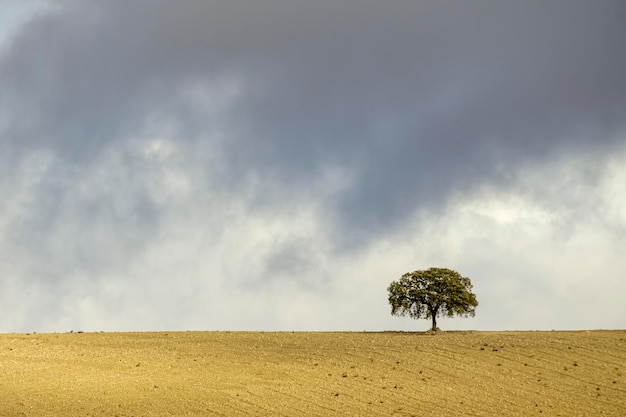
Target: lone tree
{"x":431,"y":293}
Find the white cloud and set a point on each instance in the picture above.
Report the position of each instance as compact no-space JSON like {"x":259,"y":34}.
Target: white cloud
{"x":208,"y":263}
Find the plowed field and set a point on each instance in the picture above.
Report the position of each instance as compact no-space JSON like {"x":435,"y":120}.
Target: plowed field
{"x":314,"y":374}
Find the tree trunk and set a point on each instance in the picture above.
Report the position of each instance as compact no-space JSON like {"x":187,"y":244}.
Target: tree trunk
{"x":433,"y":314}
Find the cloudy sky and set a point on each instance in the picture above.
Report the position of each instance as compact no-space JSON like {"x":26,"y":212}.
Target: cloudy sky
{"x":275,"y":164}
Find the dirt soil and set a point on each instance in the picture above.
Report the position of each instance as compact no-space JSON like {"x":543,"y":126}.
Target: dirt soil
{"x":314,"y":374}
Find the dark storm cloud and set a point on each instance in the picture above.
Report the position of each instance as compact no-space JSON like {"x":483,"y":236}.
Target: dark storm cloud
{"x":413,"y":100}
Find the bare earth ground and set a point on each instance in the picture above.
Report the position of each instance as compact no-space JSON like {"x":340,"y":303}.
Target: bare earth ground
{"x":314,"y":374}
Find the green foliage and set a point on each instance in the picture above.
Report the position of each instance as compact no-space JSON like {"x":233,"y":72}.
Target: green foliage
{"x":432,"y":293}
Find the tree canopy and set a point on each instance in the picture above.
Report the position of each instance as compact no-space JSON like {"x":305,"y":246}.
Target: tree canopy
{"x":432,"y":293}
